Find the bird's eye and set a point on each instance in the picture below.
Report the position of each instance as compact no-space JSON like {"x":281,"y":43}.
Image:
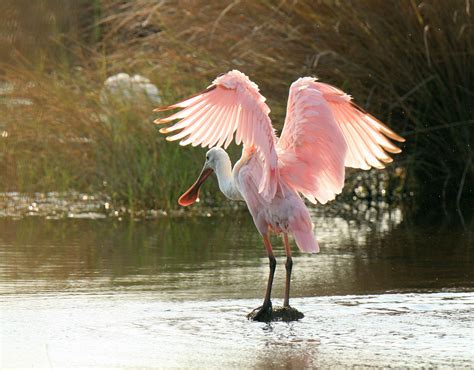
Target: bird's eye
{"x":207,"y":157}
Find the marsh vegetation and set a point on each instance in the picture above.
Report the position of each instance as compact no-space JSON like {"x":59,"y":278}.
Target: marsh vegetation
{"x":409,"y":62}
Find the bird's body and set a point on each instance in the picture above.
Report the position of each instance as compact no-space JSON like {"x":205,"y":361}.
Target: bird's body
{"x":323,"y":133}
{"x":284,"y":213}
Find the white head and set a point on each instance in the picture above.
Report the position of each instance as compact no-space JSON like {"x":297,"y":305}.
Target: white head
{"x":214,"y":157}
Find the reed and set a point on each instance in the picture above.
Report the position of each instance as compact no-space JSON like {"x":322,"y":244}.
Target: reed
{"x":409,"y":62}
{"x":66,"y":139}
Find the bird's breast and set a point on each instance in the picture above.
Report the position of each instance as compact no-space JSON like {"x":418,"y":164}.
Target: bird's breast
{"x":277,"y":214}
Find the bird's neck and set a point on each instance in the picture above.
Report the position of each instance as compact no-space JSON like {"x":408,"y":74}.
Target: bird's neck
{"x":226,"y":179}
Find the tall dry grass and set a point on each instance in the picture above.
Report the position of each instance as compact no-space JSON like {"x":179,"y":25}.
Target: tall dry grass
{"x":67,"y":139}
{"x":409,"y":62}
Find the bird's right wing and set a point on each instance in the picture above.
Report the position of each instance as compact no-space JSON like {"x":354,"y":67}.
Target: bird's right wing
{"x":311,"y":149}
{"x":324,"y":132}
{"x":231,"y":105}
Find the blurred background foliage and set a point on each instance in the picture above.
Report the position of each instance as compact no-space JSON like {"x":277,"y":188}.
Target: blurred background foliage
{"x":409,"y":62}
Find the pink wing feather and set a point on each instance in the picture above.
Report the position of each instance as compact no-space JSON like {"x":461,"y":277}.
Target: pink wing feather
{"x":324,"y":132}
{"x":365,"y":135}
{"x":231,"y":104}
{"x":311,"y":149}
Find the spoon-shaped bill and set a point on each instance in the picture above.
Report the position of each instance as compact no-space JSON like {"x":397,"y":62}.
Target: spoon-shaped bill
{"x":192,"y":194}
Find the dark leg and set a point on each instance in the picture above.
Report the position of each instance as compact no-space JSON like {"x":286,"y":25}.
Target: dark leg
{"x":288,"y":266}
{"x":272,"y":263}
{"x":264,"y":312}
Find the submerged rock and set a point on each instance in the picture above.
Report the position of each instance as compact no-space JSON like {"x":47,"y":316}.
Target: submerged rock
{"x":277,"y":314}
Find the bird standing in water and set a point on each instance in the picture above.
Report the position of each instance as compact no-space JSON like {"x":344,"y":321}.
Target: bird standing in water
{"x":324,"y":132}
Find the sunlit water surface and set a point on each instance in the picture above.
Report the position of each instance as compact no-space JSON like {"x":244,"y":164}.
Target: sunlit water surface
{"x":174,"y":292}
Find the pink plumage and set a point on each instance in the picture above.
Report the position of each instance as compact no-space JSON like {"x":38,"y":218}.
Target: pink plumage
{"x":231,"y":105}
{"x":324,"y":132}
{"x":312,"y":148}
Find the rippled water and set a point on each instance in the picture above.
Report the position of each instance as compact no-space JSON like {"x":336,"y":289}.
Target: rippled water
{"x":174,"y":292}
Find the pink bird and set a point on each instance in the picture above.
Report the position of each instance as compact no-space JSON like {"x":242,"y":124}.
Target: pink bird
{"x":324,"y":132}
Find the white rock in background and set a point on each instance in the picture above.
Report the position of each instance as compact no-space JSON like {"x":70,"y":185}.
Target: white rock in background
{"x":127,"y":89}
{"x":6,"y":89}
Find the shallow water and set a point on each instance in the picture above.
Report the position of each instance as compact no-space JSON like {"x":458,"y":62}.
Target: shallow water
{"x":174,"y":292}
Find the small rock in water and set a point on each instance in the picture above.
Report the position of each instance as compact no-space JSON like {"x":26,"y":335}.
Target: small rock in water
{"x":286,"y":314}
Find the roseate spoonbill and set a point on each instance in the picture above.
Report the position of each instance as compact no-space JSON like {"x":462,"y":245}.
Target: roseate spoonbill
{"x":324,"y":132}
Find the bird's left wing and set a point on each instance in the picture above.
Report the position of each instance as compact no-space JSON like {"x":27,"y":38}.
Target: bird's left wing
{"x":231,"y":105}
{"x":325,"y":132}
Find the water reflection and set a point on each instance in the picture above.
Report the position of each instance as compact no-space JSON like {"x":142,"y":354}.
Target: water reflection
{"x":219,"y":257}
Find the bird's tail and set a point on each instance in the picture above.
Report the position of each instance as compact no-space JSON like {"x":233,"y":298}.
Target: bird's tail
{"x":306,"y":241}
{"x":301,"y":227}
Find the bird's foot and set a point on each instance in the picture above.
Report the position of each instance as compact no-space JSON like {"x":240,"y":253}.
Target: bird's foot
{"x":267,"y":314}
{"x":262,"y":313}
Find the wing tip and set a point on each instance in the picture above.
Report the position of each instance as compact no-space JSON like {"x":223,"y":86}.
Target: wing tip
{"x":386,"y":130}
{"x":163,"y":108}
{"x":160,"y":121}
{"x":393,"y":135}
{"x":394,"y":149}
{"x":177,"y":105}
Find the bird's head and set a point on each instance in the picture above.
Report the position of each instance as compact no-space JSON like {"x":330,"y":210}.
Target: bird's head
{"x":213,"y":157}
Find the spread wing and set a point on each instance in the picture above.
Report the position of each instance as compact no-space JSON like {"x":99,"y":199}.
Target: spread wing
{"x":324,"y":132}
{"x":365,"y":135}
{"x":231,"y":105}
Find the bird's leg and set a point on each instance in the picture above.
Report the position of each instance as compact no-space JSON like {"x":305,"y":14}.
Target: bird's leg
{"x":272,"y":262}
{"x":288,"y":266}
{"x":264,"y":312}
